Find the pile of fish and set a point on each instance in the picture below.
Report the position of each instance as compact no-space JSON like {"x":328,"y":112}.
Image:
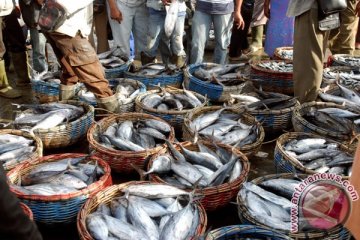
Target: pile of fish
{"x":203,"y":168}
{"x":135,"y":135}
{"x":112,"y":58}
{"x":347,"y":97}
{"x":277,"y":66}
{"x":168,"y":100}
{"x":61,"y":177}
{"x":45,"y":116}
{"x":15,"y":149}
{"x":334,"y":119}
{"x":286,"y":53}
{"x":270,"y":202}
{"x":347,"y":78}
{"x":348,"y":60}
{"x":226,"y":128}
{"x":154,"y":69}
{"x":125,"y":93}
{"x":260,"y":100}
{"x":223,"y":75}
{"x":146,"y":212}
{"x":48,"y":76}
{"x":320,"y":155}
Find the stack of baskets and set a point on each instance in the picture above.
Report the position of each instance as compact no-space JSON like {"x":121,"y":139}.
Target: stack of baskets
{"x":248,"y":150}
{"x":117,"y":72}
{"x":38,"y":146}
{"x":216,"y":196}
{"x":122,"y":161}
{"x":61,"y":208}
{"x":279,"y":56}
{"x":272,"y":81}
{"x":212,"y":91}
{"x":105,"y":196}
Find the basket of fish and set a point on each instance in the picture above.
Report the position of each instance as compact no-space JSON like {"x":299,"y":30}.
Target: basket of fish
{"x":273,"y":110}
{"x":341,"y":94}
{"x":245,"y":231}
{"x":18,"y":146}
{"x":346,"y":60}
{"x":273,"y":76}
{"x":215,"y":81}
{"x":113,"y":63}
{"x":129,"y":139}
{"x":284,"y":53}
{"x":27,"y":211}
{"x":142,"y":210}
{"x":310,"y":154}
{"x":215,"y":171}
{"x":267,"y":202}
{"x":46,"y":86}
{"x":169,"y":104}
{"x":327,"y":119}
{"x":125,"y":89}
{"x":56,"y":186}
{"x":347,"y":76}
{"x":154,"y":74}
{"x":224,"y":125}
{"x":57,"y":124}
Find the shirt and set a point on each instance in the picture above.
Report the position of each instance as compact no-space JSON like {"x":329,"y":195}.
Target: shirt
{"x":157,"y":5}
{"x":215,"y":6}
{"x":132,"y":3}
{"x":6,"y":7}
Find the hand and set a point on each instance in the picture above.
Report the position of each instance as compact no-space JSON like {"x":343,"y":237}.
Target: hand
{"x":116,"y":15}
{"x":267,"y":8}
{"x":239,"y":21}
{"x":357,"y":10}
{"x":166,"y":2}
{"x":40,"y":2}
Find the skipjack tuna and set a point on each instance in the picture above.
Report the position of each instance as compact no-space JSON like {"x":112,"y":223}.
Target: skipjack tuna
{"x":112,"y":58}
{"x":277,"y":66}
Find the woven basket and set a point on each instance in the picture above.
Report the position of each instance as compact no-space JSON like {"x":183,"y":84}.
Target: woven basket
{"x":302,"y":125}
{"x":45,"y":91}
{"x":278,"y":56}
{"x":117,"y":72}
{"x":248,"y":150}
{"x":174,"y":80}
{"x":27,"y":211}
{"x":217,"y":196}
{"x":286,"y":163}
{"x":68,"y":133}
{"x":245,"y":216}
{"x":174,"y":117}
{"x":122,"y":161}
{"x":271,"y":81}
{"x":334,"y":61}
{"x":212,"y":91}
{"x":237,"y":232}
{"x":105,"y":196}
{"x":61,"y":208}
{"x":38,"y":146}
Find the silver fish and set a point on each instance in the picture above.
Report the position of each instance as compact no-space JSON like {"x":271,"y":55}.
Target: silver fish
{"x":97,"y":227}
{"x":152,"y":191}
{"x":204,"y":159}
{"x":124,"y":130}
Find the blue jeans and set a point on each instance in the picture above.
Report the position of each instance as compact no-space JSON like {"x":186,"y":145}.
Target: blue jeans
{"x":156,"y":38}
{"x":200,"y":31}
{"x":38,"y":42}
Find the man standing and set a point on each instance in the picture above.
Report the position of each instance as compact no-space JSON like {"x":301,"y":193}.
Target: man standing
{"x":220,"y":13}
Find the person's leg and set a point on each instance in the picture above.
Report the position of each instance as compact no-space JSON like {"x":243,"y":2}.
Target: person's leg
{"x":100,"y":23}
{"x":222,"y":29}
{"x":308,"y":56}
{"x":342,"y":39}
{"x":200,"y":31}
{"x":176,"y":42}
{"x":38,"y":42}
{"x":140,"y":28}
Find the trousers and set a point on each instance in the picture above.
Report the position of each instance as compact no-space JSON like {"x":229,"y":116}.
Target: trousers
{"x":38,"y":43}
{"x":100,"y":26}
{"x":79,"y":63}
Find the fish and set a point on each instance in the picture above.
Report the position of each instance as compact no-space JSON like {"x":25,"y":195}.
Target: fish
{"x":283,"y":187}
{"x":154,"y":191}
{"x":124,"y":131}
{"x":152,"y":208}
{"x":124,"y":145}
{"x":97,"y":226}
{"x":277,"y":66}
{"x":171,"y":17}
{"x":338,"y":112}
{"x":349,"y":94}
{"x":158,"y":125}
{"x":123,"y":230}
{"x":205,"y":120}
{"x":205,"y":159}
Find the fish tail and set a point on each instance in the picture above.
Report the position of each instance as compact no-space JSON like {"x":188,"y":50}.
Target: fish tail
{"x":141,"y":172}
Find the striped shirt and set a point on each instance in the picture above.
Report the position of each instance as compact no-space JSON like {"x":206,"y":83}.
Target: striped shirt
{"x":215,"y":6}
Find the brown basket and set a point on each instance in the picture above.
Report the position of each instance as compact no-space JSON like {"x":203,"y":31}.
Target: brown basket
{"x":285,"y":162}
{"x":174,"y":117}
{"x":122,"y":161}
{"x":114,"y":191}
{"x":302,"y":125}
{"x":272,"y":81}
{"x":278,"y":56}
{"x":61,"y":208}
{"x":38,"y":144}
{"x":217,"y":196}
{"x":245,"y":216}
{"x":248,"y":150}
{"x":27,"y":211}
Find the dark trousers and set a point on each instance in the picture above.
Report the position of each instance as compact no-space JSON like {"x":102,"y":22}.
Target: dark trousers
{"x":239,"y":39}
{"x":13,"y":34}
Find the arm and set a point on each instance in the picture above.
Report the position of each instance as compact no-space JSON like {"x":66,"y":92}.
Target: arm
{"x":238,"y":20}
{"x":267,"y":8}
{"x":115,"y":13}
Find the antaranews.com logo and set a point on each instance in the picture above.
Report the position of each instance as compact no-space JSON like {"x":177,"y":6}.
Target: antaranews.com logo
{"x":321,"y":202}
